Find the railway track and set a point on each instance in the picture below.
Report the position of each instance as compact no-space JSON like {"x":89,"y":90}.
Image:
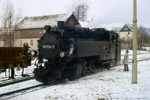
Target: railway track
{"x":11,"y":94}
{"x":18,"y":92}
{"x":14,"y":81}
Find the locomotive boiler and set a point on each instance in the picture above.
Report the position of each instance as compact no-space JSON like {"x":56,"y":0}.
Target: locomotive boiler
{"x":70,"y":52}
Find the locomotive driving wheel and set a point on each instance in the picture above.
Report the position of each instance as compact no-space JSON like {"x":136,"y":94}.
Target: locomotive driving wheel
{"x":76,"y":71}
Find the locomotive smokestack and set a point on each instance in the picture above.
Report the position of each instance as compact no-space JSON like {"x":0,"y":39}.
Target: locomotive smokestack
{"x":60,"y":25}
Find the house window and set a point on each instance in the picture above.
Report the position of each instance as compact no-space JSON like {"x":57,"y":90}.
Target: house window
{"x":20,"y":42}
{"x":31,"y":42}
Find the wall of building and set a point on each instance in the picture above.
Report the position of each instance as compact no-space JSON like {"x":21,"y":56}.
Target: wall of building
{"x":72,"y":21}
{"x":126,"y":35}
{"x":29,"y":33}
{"x":32,"y":42}
{"x":29,"y":36}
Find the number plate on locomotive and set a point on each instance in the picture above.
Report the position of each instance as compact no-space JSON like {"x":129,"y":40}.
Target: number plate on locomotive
{"x":49,"y":46}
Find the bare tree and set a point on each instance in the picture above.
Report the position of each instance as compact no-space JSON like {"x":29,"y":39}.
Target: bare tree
{"x":10,"y":18}
{"x":129,"y":40}
{"x":80,"y":12}
{"x":143,"y":37}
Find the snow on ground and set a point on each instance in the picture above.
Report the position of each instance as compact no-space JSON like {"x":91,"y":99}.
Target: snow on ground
{"x":140,"y":55}
{"x":146,"y":48}
{"x":29,"y":70}
{"x":123,"y":51}
{"x":113,"y":84}
{"x":18,"y":86}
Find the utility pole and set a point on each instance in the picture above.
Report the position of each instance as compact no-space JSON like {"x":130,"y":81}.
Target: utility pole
{"x":134,"y":60}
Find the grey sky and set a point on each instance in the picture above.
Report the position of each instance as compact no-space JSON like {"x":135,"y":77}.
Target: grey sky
{"x":102,"y":13}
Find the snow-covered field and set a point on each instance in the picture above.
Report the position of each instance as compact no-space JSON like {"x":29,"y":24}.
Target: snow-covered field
{"x":113,"y":84}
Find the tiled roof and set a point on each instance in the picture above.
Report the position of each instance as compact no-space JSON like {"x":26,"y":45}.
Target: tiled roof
{"x":41,"y":21}
{"x":130,"y":26}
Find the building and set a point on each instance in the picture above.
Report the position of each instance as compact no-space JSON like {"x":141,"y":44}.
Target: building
{"x":31,"y":29}
{"x":6,"y":38}
{"x":126,"y":33}
{"x":72,"y":21}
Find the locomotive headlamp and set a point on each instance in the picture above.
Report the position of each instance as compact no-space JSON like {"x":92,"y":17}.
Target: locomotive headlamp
{"x":62,"y":54}
{"x":34,"y":53}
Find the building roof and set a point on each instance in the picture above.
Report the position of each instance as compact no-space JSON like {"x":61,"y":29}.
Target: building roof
{"x":127,"y":28}
{"x":41,"y":21}
{"x":6,"y":31}
{"x":72,"y":22}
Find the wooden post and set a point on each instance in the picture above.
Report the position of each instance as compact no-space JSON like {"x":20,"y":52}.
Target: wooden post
{"x":12,"y":73}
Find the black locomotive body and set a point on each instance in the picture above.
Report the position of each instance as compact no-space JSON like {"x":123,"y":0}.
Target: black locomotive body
{"x":71,"y":52}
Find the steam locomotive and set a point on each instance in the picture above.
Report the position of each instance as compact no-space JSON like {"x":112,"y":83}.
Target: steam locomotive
{"x":71,"y":52}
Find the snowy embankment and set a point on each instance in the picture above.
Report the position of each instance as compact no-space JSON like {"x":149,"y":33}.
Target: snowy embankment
{"x":113,"y":84}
